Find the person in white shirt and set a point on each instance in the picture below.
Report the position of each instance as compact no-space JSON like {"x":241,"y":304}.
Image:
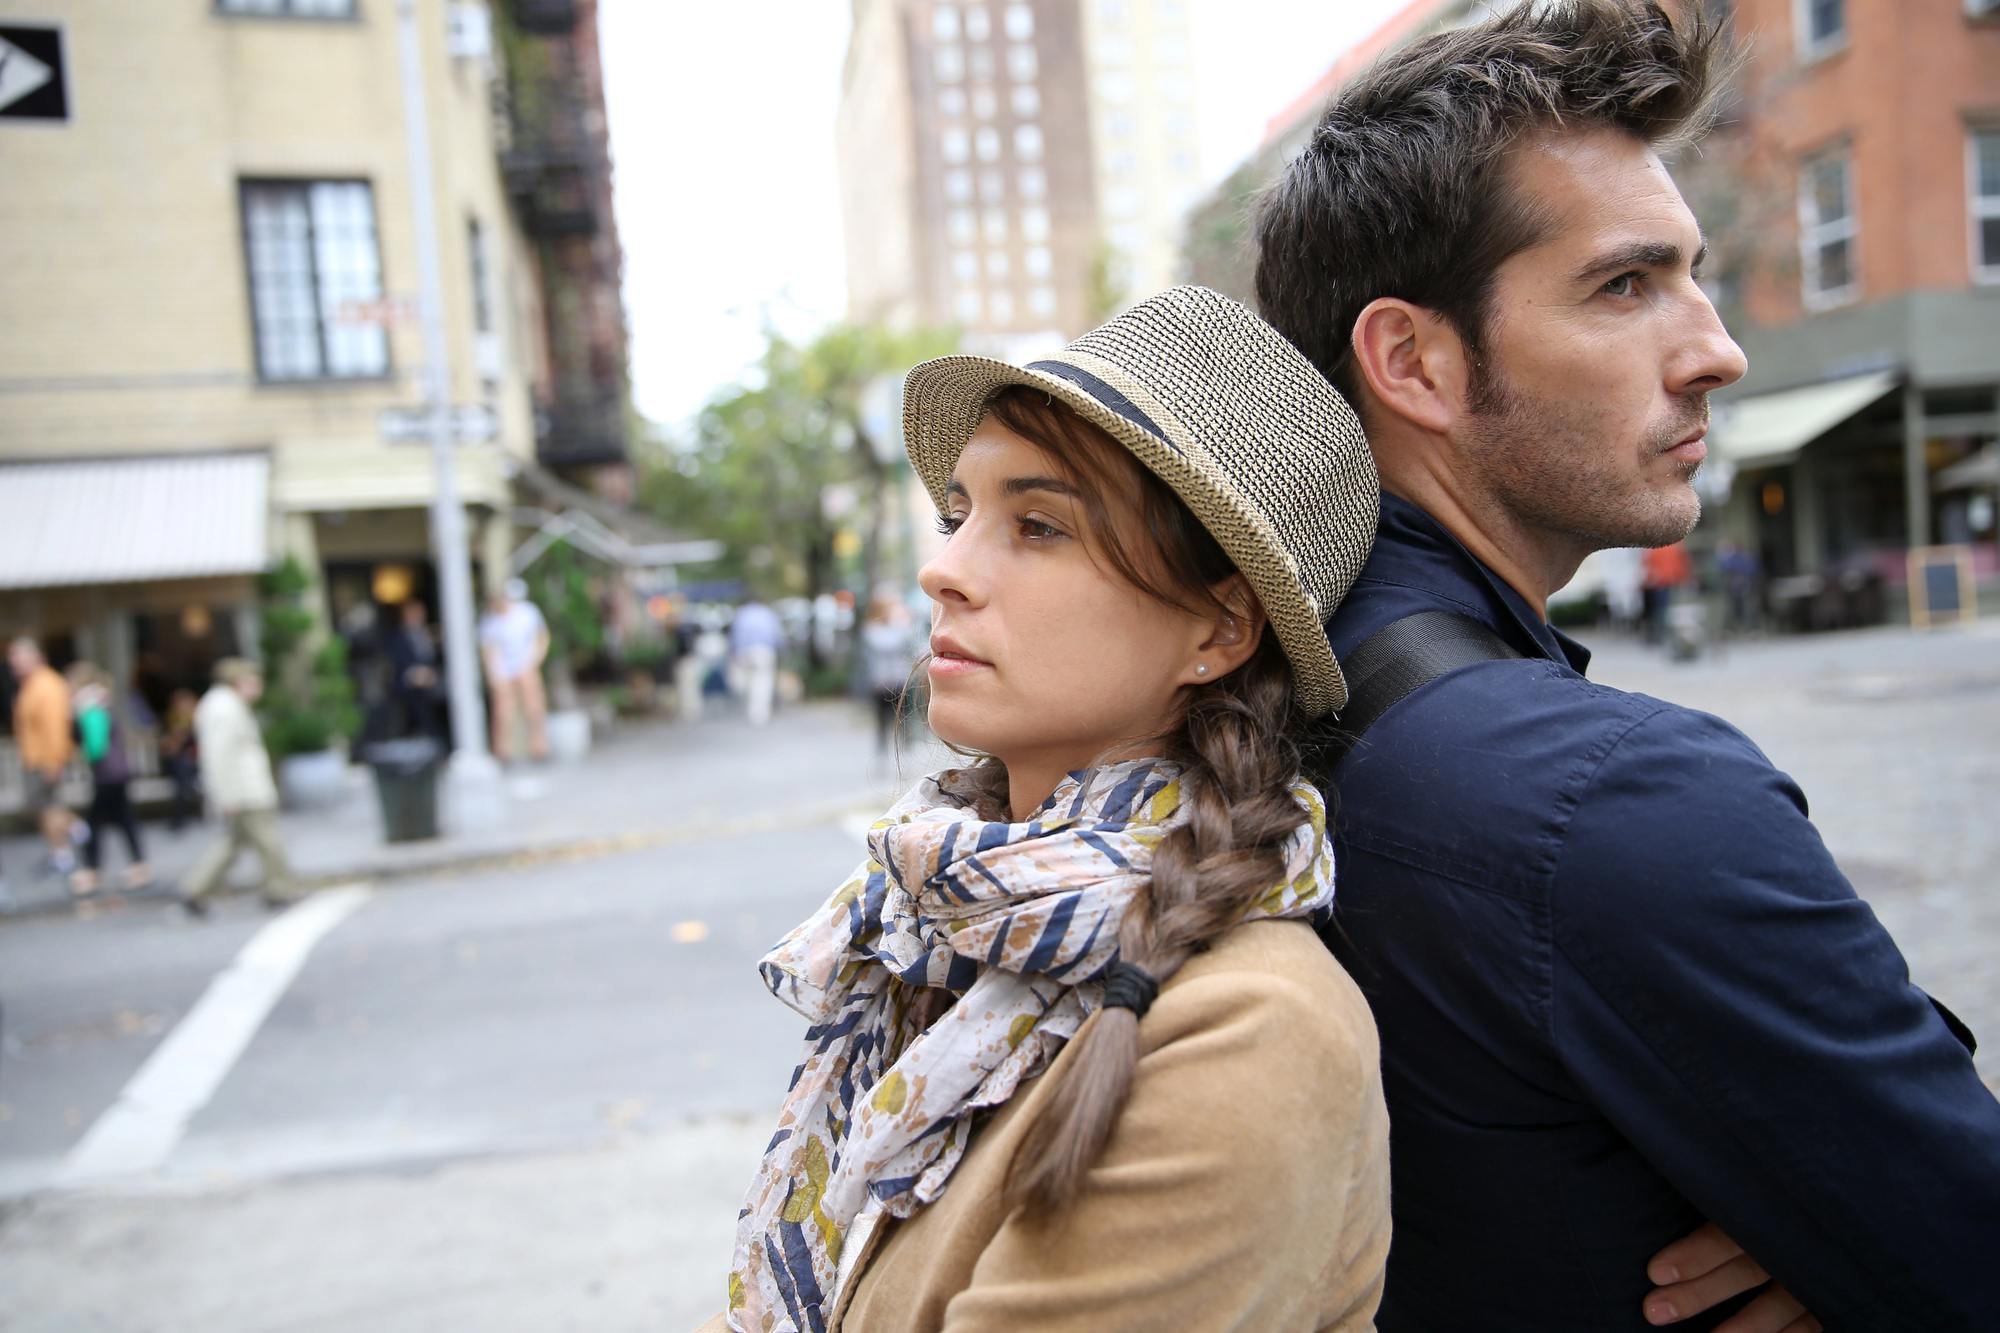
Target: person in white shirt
{"x":513,"y":641}
{"x":756,"y":637}
{"x":236,"y":773}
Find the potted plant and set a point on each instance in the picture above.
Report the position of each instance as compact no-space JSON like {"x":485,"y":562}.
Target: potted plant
{"x":308,"y":707}
{"x":568,"y":593}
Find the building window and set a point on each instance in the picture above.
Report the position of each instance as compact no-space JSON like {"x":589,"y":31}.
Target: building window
{"x":1033,"y":183}
{"x":301,"y":9}
{"x":1001,"y":306}
{"x":315,"y":279}
{"x":977,"y":27}
{"x":1822,"y":26}
{"x":1028,"y":143}
{"x":1020,"y":22}
{"x":1827,"y":230}
{"x":1027,"y":101}
{"x":1042,"y":303}
{"x":1986,"y":205}
{"x":965,"y":265}
{"x":1021,"y":63}
{"x":992,"y":187}
{"x":986,"y":143}
{"x":958,"y":186}
{"x":944,"y":23}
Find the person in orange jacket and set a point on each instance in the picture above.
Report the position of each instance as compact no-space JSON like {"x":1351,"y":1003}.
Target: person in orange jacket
{"x":42,"y":730}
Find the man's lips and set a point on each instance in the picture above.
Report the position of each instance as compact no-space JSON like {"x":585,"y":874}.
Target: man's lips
{"x":1692,"y":447}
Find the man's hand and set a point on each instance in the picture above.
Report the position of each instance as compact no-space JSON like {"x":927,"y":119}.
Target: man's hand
{"x":1705,"y":1268}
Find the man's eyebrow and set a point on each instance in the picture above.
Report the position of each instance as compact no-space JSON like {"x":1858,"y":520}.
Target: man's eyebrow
{"x":1646,"y":254}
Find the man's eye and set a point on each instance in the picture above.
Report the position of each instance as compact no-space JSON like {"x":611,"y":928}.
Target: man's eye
{"x":1625,"y":284}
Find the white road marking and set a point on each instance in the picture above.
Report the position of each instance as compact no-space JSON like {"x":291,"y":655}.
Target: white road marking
{"x":147,"y":1121}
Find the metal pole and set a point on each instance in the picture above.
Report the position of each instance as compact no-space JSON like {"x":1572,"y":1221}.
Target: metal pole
{"x":473,"y":773}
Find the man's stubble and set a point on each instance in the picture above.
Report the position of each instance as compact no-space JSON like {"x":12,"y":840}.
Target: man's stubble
{"x":1545,"y":461}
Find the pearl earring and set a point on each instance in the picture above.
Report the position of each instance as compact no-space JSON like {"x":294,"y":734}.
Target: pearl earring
{"x":1201,"y":669}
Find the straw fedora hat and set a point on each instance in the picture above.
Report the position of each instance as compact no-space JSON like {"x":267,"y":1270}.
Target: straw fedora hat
{"x":1216,"y":403}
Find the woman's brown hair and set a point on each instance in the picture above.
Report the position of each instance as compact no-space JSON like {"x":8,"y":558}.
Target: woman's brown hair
{"x":1233,"y":744}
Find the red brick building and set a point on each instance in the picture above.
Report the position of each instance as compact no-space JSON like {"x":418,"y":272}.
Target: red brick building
{"x":1853,"y":206}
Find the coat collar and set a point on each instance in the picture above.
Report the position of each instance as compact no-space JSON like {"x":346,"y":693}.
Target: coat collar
{"x":1414,"y":550}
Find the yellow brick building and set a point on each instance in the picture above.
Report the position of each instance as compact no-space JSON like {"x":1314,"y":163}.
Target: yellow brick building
{"x":208,"y":269}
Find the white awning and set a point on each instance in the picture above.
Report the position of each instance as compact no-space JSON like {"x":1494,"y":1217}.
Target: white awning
{"x":1982,"y":469}
{"x":1771,"y":428}
{"x":132,"y":520}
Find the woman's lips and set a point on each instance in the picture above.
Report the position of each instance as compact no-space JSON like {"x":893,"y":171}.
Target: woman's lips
{"x":948,"y":659}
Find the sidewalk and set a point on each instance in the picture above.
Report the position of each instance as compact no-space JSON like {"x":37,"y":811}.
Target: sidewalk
{"x":645,"y":784}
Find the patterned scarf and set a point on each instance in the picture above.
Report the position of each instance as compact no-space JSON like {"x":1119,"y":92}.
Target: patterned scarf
{"x":1013,"y":921}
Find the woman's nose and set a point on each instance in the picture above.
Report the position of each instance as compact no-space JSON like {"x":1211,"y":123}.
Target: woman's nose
{"x":946,"y":577}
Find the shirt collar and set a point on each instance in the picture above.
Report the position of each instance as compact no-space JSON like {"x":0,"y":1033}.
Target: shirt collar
{"x":1415,"y":549}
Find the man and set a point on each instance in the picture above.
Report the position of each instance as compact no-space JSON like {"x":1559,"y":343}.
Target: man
{"x":413,"y":658}
{"x":1622,"y":987}
{"x":236,"y":773}
{"x":756,"y":637}
{"x":42,"y":731}
{"x":513,"y":641}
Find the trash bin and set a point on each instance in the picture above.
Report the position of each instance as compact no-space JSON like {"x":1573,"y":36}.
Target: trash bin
{"x":406,"y":780}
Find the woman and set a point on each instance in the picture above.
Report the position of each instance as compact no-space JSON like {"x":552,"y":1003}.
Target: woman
{"x":1076,"y":1058}
{"x":102,"y":741}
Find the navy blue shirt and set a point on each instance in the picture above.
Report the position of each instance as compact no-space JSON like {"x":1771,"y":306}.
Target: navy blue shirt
{"x":1623,"y":989}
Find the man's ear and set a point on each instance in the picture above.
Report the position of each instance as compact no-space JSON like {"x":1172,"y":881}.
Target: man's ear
{"x":1412,"y":362}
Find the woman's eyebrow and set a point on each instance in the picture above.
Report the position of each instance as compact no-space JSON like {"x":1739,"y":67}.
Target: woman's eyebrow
{"x":1022,"y":485}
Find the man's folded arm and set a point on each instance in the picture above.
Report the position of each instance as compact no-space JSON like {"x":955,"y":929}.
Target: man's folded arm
{"x":1749,"y":1025}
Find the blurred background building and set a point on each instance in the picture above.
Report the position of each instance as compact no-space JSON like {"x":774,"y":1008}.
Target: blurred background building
{"x":1017,"y":170}
{"x":208,"y":213}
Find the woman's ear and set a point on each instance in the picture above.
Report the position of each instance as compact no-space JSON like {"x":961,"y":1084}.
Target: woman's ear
{"x":1230,"y":636}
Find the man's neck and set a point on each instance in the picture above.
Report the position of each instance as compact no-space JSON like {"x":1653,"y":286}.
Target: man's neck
{"x":1531,"y":562}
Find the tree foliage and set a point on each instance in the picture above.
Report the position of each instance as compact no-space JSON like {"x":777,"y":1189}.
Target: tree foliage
{"x":768,"y":454}
{"x":309,"y":699}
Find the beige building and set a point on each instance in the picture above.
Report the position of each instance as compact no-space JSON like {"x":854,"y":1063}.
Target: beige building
{"x":1014,"y":169}
{"x":211,"y":356}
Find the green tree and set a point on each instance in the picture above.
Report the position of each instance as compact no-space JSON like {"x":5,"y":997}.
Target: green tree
{"x":309,"y":697}
{"x":769,"y":454}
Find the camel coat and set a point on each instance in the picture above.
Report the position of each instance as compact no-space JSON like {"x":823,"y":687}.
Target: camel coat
{"x":1245,"y":1187}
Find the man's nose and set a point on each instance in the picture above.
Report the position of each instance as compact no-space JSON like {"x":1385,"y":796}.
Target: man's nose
{"x":1710,"y":358}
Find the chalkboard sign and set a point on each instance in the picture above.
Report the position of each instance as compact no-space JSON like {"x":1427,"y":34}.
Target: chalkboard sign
{"x":1942,"y":591}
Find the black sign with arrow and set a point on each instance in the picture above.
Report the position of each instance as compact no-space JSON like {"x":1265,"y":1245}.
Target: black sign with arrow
{"x":32,"y":86}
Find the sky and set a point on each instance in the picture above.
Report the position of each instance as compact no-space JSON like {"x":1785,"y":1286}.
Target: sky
{"x":722,"y":145}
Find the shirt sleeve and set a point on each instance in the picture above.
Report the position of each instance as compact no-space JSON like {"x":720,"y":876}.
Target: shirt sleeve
{"x":1739,"y":1013}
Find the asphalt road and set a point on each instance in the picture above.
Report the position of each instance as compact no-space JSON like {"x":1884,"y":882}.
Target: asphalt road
{"x":530,"y":1099}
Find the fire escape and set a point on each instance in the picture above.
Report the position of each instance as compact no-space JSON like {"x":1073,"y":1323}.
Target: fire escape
{"x":556,"y":164}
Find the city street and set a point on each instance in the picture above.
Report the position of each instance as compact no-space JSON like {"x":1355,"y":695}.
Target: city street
{"x":527,"y":1096}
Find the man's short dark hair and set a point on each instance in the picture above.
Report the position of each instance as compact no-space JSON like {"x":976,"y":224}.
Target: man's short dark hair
{"x":1401,"y":191}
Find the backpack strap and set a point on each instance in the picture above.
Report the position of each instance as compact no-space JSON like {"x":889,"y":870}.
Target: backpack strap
{"x":1391,"y":664}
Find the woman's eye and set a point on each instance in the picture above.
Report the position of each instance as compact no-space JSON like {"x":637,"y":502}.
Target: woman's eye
{"x":949,"y":523}
{"x":1625,"y":284}
{"x":1033,"y":529}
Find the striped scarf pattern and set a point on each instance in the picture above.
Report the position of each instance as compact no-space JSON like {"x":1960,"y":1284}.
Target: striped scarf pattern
{"x":1007,"y":924}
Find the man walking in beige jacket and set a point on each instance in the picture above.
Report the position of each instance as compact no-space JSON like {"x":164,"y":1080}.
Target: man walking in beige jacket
{"x":236,"y":772}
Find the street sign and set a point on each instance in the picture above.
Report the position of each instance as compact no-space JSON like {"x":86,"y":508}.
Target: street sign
{"x":383,"y":312}
{"x":473,"y":423}
{"x":32,"y":86}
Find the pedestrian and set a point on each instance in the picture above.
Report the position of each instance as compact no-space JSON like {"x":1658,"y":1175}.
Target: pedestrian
{"x":236,"y":773}
{"x":756,"y":638}
{"x":889,"y":654}
{"x":413,"y":662}
{"x":1075,"y":1057}
{"x":513,"y":643}
{"x":181,"y":757}
{"x":42,"y":730}
{"x":102,"y":741}
{"x":1742,"y":579}
{"x":1625,"y":994}
{"x":1667,"y":568}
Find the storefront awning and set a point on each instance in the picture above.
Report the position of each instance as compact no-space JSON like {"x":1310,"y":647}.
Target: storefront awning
{"x":133,"y":520}
{"x":1771,"y":428}
{"x":1982,"y":469}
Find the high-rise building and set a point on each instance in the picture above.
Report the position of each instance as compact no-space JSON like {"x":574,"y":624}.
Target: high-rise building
{"x":1011,"y":168}
{"x":1143,"y":128}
